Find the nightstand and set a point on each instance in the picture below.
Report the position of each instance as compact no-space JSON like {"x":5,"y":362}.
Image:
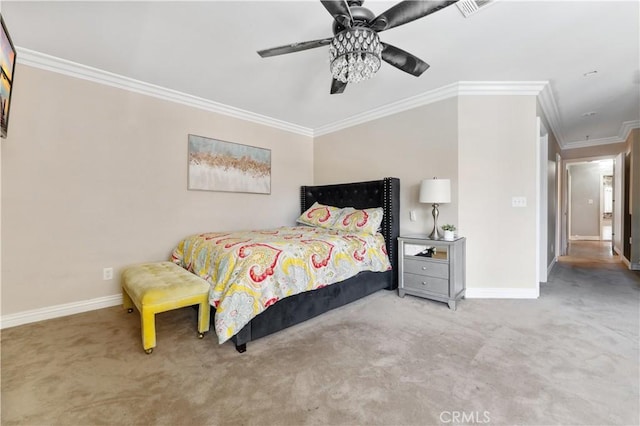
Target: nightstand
{"x":433,"y":269}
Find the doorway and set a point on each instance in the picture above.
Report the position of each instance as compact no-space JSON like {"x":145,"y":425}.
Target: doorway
{"x":590,"y":212}
{"x":586,"y":198}
{"x":606,"y":208}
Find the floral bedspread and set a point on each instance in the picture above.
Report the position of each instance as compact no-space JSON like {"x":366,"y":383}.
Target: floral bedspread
{"x":249,"y":271}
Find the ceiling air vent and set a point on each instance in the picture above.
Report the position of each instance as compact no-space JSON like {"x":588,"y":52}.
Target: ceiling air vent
{"x":469,"y":7}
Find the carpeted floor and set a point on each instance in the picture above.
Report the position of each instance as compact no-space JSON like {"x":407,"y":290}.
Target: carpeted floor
{"x":570,"y":357}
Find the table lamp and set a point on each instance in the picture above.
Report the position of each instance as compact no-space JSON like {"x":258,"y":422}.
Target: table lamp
{"x":435,"y":191}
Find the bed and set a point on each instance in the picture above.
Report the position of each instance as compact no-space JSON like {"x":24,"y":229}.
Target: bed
{"x":380,"y":196}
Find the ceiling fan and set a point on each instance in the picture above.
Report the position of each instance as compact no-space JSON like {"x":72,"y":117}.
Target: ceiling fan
{"x":355,"y":50}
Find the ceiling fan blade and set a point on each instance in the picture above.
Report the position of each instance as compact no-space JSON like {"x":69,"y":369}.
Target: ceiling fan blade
{"x":407,"y":11}
{"x":403,"y":60}
{"x":294,"y":47}
{"x":337,"y":86}
{"x":340,"y":12}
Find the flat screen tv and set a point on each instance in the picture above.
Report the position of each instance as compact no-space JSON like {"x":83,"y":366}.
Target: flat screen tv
{"x":8,"y":65}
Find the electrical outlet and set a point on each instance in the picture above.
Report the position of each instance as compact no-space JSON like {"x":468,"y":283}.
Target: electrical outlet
{"x":412,"y":215}
{"x":107,"y":274}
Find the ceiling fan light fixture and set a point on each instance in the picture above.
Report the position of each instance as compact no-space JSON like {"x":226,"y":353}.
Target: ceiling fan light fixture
{"x":355,"y":54}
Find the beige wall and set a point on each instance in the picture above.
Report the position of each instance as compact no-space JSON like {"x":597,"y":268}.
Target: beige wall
{"x":413,"y":145}
{"x":486,"y":145}
{"x":608,"y":150}
{"x":94,"y":176}
{"x":497,"y":160}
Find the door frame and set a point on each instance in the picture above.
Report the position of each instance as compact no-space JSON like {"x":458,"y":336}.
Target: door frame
{"x":542,"y":212}
{"x":559,"y":180}
{"x":602,"y":176}
{"x":618,"y":205}
{"x":566,"y":231}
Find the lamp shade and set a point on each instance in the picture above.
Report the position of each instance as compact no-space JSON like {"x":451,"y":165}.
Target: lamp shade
{"x":435,"y":191}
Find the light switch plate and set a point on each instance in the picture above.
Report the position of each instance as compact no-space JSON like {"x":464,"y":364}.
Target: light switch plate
{"x":518,"y":201}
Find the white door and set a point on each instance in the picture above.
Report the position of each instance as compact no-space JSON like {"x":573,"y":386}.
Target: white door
{"x":618,"y":203}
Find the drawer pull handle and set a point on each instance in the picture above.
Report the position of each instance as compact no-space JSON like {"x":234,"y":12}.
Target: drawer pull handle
{"x":424,"y":283}
{"x":424,"y":268}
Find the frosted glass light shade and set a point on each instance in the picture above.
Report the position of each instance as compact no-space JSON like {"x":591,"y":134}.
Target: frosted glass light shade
{"x":435,"y":191}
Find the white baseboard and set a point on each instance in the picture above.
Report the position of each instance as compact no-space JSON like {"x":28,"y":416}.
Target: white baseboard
{"x":625,"y":261}
{"x":502,"y":293}
{"x":551,"y":265}
{"x":26,"y":317}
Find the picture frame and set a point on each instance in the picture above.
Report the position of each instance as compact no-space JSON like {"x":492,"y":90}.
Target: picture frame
{"x":217,"y":165}
{"x":7,"y":67}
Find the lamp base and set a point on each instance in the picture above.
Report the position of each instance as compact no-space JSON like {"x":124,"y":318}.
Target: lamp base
{"x":435,"y":233}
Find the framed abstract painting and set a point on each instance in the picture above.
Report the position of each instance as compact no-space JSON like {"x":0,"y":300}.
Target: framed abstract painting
{"x":216,"y":165}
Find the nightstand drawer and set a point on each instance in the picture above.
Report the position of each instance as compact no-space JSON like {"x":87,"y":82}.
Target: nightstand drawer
{"x":425,"y":267}
{"x":425,"y":283}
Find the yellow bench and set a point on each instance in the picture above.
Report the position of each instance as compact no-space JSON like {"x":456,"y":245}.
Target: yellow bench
{"x":159,"y":287}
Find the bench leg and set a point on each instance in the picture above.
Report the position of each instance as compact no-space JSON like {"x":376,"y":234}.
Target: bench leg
{"x":127,"y":303}
{"x":148,"y":326}
{"x":204,"y":311}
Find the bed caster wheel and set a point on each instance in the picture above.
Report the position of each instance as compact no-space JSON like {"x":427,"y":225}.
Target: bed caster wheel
{"x":130,"y":310}
{"x":148,"y":351}
{"x":200,"y":335}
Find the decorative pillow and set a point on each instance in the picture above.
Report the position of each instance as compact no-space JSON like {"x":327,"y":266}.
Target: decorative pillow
{"x":319,"y":215}
{"x":353,"y":220}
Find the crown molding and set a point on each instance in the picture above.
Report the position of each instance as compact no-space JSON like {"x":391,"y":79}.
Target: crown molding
{"x":591,"y":142}
{"x":501,"y":88}
{"x":623,"y":134}
{"x":626,"y":129}
{"x":461,"y":88}
{"x":426,"y":98}
{"x":550,"y":108}
{"x":73,"y":69}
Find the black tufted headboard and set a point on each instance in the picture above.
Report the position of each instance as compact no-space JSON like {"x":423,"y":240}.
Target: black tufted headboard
{"x":383,"y":193}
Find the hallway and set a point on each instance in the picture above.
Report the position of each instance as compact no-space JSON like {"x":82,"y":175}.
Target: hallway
{"x":590,"y":252}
